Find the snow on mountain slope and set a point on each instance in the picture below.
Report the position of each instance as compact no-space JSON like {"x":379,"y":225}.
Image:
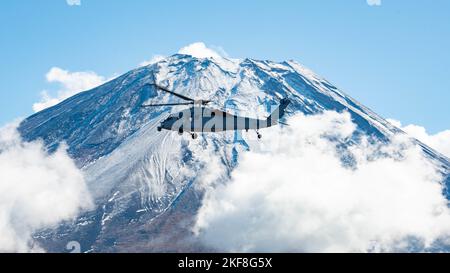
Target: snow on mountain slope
{"x":137,"y":175}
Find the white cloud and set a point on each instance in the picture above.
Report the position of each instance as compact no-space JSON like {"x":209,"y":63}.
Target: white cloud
{"x":71,"y":83}
{"x":73,"y":2}
{"x":292,"y":193}
{"x":221,"y":51}
{"x":440,"y":141}
{"x":199,"y":50}
{"x":154,"y":59}
{"x":37,"y":190}
{"x":374,"y":2}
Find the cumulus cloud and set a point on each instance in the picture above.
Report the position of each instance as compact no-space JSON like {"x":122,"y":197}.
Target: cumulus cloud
{"x":73,"y":2}
{"x":154,"y":59}
{"x":374,"y":2}
{"x":37,"y":190}
{"x":70,"y":83}
{"x":199,"y":50}
{"x":440,"y":141}
{"x":292,"y":192}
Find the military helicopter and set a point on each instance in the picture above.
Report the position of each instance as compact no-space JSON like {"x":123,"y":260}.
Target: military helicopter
{"x":199,"y":118}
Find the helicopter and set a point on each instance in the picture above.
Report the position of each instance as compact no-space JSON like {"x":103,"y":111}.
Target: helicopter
{"x":200,"y":119}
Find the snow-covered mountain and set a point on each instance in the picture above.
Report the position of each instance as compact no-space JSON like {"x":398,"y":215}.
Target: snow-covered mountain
{"x":142,"y":180}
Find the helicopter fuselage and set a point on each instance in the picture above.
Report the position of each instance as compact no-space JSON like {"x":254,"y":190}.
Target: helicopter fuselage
{"x":200,"y":118}
{"x":204,"y":119}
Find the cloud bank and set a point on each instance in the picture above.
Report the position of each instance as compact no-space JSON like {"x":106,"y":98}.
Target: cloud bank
{"x":37,"y":190}
{"x":293,"y":193}
{"x":70,"y":83}
{"x":440,"y":141}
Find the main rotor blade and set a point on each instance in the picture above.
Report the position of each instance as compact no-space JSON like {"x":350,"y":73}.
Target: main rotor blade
{"x":173,"y":93}
{"x":167,"y":104}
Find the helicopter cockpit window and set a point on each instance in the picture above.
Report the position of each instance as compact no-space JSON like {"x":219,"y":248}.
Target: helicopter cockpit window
{"x":173,"y":117}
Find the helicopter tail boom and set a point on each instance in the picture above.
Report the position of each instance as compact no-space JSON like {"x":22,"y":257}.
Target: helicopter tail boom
{"x":279,"y":112}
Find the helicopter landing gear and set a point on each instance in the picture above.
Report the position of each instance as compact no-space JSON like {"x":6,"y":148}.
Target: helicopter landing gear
{"x":259,"y":135}
{"x":159,"y":129}
{"x":180,"y":132}
{"x":194,"y":136}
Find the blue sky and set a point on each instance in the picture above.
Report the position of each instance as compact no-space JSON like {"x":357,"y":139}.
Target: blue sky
{"x":394,"y":58}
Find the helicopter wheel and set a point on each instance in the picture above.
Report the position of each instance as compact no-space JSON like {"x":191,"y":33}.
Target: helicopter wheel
{"x":180,"y":132}
{"x":159,"y":129}
{"x":259,"y":135}
{"x":194,"y":136}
